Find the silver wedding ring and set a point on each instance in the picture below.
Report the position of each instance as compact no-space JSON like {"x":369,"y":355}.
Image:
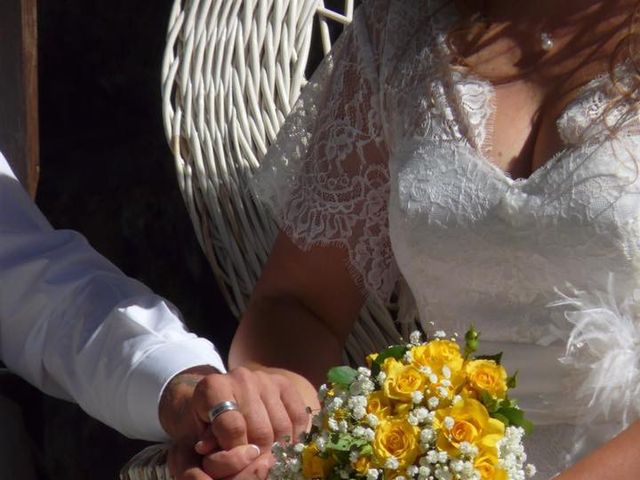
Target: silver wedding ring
{"x":219,"y":408}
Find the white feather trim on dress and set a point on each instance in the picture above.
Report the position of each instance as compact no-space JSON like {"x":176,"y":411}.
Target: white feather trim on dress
{"x":603,"y":354}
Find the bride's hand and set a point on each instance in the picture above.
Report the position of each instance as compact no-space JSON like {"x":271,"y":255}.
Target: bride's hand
{"x":269,"y":408}
{"x":240,"y":463}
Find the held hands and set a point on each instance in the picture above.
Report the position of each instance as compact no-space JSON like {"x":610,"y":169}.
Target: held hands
{"x":236,"y":443}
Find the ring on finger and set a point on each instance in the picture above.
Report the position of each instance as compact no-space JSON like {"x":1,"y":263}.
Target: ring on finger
{"x":220,"y":408}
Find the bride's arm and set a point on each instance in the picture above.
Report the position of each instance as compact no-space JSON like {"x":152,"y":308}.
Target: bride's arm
{"x":299,"y":316}
{"x":619,"y":458}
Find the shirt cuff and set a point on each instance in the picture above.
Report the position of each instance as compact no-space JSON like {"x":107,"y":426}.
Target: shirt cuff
{"x":152,"y":374}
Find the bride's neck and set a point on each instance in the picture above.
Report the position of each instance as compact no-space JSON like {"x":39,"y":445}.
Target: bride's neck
{"x":583,"y":32}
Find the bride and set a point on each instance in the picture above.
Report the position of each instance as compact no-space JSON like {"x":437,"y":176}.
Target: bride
{"x":487,"y":151}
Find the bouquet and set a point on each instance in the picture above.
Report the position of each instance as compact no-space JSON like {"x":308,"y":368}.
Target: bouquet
{"x":425,"y":411}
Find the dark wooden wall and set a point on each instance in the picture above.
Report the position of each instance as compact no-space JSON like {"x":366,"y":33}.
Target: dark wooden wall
{"x":19,"y":88}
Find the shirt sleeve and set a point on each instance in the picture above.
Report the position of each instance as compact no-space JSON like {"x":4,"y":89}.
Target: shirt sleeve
{"x":326,"y":177}
{"x":77,"y":328}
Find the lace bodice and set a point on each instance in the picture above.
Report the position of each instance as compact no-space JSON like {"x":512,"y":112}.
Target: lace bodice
{"x":384,"y":156}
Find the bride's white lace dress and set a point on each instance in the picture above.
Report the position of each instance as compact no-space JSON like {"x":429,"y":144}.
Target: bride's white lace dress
{"x":385,"y":155}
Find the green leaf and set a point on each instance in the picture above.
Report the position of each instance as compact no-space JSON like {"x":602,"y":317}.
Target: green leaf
{"x":502,"y":418}
{"x":496,"y":358}
{"x":395,"y":351}
{"x":488,"y":401}
{"x":343,"y":442}
{"x":366,"y":450}
{"x":342,"y":376}
{"x":512,"y":381}
{"x":508,"y":402}
{"x":515,"y":416}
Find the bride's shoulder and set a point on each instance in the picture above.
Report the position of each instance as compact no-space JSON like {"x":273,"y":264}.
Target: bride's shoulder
{"x":606,"y":106}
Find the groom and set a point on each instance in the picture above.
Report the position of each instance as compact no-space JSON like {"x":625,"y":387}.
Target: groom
{"x":77,"y":328}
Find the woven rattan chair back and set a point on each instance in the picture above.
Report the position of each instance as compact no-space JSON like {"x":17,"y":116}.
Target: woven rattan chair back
{"x":231,"y":73}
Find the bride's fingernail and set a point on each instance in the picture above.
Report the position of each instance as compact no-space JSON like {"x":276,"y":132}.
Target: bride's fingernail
{"x":198,"y":446}
{"x":257,"y":449}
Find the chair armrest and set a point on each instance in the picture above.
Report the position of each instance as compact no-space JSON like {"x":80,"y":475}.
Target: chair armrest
{"x":149,"y":464}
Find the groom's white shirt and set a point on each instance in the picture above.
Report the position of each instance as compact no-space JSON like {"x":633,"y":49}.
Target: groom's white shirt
{"x":76,"y":327}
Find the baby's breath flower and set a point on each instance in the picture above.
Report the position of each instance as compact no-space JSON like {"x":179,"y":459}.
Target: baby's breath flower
{"x":368,"y":386}
{"x":427,"y":435}
{"x":373,"y":474}
{"x":343,"y":426}
{"x":424,"y":472}
{"x":422,"y":413}
{"x":364,"y":371}
{"x":457,"y":465}
{"x":443,"y":457}
{"x":433,"y":378}
{"x":415,"y":337}
{"x":369,"y":434}
{"x":335,"y":404}
{"x":359,"y":413}
{"x":357,"y":401}
{"x":443,"y":392}
{"x":358,"y":432}
{"x":372,"y":420}
{"x":408,"y":357}
{"x":433,"y":402}
{"x":468,"y":449}
{"x":443,"y":474}
{"x":446,"y":372}
{"x":412,"y":419}
{"x":392,"y":463}
{"x":426,"y":370}
{"x":530,"y":470}
{"x":321,"y":442}
{"x":417,"y":397}
{"x":448,"y":422}
{"x":381,"y":377}
{"x":412,"y":470}
{"x":440,"y":334}
{"x":333,"y":425}
{"x":432,"y":456}
{"x":298,"y":447}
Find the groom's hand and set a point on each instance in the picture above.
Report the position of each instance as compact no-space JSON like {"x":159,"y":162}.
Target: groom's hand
{"x":269,"y":409}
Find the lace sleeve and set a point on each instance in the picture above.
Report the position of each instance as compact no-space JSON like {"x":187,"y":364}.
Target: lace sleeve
{"x":326,"y":177}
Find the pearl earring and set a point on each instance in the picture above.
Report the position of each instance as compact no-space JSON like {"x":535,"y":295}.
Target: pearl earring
{"x":546,"y":41}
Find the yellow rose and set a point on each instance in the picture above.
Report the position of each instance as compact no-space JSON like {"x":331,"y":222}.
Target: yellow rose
{"x":379,"y":405}
{"x":402,"y":380}
{"x":436,"y":354}
{"x":486,"y":463}
{"x":471,"y":423}
{"x":486,"y":375}
{"x":398,"y":438}
{"x":370,"y":359}
{"x":313,"y":465}
{"x":362,"y":465}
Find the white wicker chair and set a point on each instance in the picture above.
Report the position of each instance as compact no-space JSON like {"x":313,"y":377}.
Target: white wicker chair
{"x":231,"y":73}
